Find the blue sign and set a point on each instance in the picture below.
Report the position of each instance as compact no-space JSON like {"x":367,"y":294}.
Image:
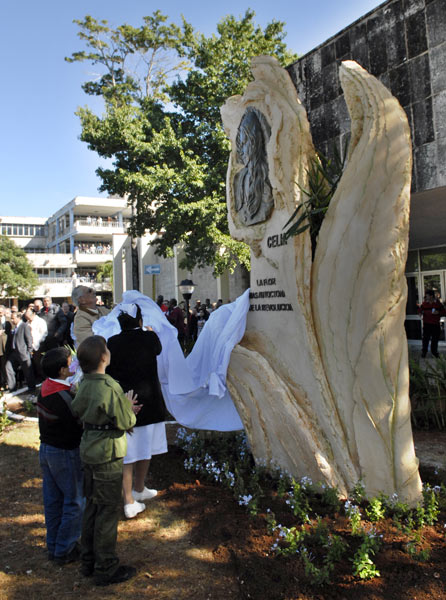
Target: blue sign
{"x":152,"y":269}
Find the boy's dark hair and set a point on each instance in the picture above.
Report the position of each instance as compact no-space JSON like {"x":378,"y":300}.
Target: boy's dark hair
{"x":54,"y":360}
{"x":128,"y":322}
{"x":90,"y":353}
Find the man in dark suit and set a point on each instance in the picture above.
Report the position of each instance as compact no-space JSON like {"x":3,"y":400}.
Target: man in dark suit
{"x":69,"y":314}
{"x":19,"y":350}
{"x":5,"y":332}
{"x":56,"y":322}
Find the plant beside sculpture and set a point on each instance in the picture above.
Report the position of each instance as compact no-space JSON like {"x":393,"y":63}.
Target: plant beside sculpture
{"x":323,"y":175}
{"x":310,"y":521}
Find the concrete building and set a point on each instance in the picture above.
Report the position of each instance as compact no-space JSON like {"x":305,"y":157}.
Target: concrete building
{"x":402,"y":43}
{"x":53,"y":270}
{"x":67,"y":248}
{"x":84,"y":229}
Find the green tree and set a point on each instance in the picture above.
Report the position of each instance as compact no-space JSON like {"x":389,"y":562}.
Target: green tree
{"x":105,"y":271}
{"x":17,"y":278}
{"x":164,"y":134}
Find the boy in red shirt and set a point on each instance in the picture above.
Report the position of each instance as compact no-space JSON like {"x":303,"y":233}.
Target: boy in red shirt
{"x":60,"y":436}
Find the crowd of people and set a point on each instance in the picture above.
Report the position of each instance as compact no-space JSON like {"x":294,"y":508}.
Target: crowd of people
{"x":96,"y":441}
{"x":92,"y":248}
{"x":99,"y":221}
{"x":189,"y":326}
{"x":25,"y":335}
{"x":42,"y":325}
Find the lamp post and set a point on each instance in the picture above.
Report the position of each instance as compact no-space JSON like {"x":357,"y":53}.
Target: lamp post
{"x":187,"y":287}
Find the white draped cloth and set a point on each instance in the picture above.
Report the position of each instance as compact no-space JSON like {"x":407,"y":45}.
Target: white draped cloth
{"x":194,"y":388}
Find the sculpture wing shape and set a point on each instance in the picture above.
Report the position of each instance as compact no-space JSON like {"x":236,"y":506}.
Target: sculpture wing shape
{"x":359,"y":262}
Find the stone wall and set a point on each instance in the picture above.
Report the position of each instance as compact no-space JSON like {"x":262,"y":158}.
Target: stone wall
{"x":403,"y":43}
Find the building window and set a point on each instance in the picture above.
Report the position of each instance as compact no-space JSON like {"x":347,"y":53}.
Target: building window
{"x":18,"y":229}
{"x":433,"y":259}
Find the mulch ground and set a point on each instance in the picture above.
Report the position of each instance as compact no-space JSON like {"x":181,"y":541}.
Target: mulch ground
{"x":192,"y":542}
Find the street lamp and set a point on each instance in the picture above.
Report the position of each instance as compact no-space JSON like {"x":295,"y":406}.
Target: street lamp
{"x":187,"y":287}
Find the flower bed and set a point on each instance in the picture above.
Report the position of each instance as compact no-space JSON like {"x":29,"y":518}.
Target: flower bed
{"x":309,"y":522}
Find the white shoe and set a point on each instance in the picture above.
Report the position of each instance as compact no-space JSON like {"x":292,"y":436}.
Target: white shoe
{"x":131,"y":510}
{"x":146,"y":494}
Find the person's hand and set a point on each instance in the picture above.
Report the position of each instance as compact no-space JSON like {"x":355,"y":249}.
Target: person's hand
{"x":133,"y":401}
{"x":148,"y":328}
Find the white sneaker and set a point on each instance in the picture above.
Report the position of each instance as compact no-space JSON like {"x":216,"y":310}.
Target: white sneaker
{"x":131,"y":510}
{"x":146,"y":494}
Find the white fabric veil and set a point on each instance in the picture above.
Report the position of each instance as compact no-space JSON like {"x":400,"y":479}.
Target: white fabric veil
{"x":194,"y":388}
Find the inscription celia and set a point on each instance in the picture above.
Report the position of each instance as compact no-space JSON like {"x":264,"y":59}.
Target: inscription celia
{"x":273,"y":241}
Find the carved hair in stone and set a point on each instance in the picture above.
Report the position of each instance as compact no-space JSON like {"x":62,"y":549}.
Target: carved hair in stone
{"x":252,"y":189}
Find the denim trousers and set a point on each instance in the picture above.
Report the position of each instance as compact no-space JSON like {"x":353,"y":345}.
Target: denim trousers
{"x":62,"y":497}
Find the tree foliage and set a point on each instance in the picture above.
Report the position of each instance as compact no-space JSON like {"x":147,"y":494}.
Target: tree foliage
{"x":17,"y":278}
{"x":162,"y":87}
{"x":105,"y":271}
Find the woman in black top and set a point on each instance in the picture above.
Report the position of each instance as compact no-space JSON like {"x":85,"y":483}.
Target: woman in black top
{"x":134,"y":365}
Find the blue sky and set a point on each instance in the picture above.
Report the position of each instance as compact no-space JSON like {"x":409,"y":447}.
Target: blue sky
{"x":43,"y":165}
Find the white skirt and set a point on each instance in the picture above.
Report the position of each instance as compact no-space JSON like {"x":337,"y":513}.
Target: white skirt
{"x":146,"y":441}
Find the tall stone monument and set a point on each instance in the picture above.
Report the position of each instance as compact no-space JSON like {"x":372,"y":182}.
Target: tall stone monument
{"x":320,"y":378}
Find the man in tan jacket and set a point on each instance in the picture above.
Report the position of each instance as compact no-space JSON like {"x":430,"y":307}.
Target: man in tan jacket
{"x":87,"y":312}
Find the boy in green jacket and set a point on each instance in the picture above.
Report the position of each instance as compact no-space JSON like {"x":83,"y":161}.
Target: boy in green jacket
{"x":107,"y":413}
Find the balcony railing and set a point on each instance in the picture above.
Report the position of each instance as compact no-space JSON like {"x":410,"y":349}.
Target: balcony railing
{"x":46,"y":279}
{"x":105,"y":284}
{"x":98,"y":223}
{"x":92,"y":252}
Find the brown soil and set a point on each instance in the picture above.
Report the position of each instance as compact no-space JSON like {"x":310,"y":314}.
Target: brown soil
{"x":193,"y":541}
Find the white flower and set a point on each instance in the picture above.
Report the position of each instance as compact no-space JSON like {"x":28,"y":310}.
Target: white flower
{"x":245,"y":500}
{"x":306,"y":481}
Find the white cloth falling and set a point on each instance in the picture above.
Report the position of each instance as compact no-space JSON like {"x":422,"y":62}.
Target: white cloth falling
{"x":194,"y":388}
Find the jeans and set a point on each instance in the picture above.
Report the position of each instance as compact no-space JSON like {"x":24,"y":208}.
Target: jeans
{"x":62,"y":497}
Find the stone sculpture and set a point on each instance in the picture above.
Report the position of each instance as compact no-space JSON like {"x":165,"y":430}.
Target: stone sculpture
{"x":320,"y":378}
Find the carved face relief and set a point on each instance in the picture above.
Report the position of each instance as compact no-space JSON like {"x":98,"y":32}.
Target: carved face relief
{"x":252,"y":189}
